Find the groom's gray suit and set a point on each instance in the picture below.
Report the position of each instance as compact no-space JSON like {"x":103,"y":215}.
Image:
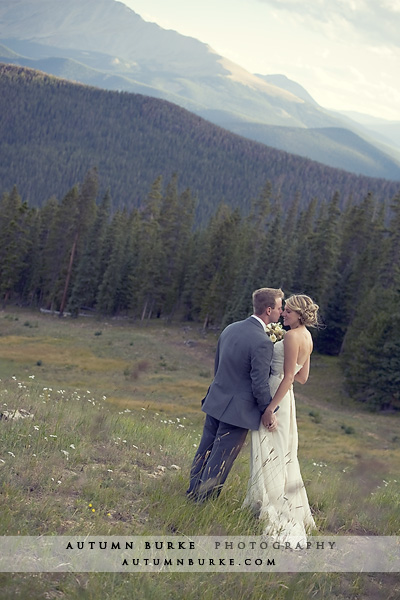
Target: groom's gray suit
{"x":235,"y":401}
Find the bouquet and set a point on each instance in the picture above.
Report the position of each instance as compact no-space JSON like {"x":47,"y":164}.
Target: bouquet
{"x":275,"y":332}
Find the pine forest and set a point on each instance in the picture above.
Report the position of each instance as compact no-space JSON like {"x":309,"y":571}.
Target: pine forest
{"x":171,"y":255}
{"x":78,"y":257}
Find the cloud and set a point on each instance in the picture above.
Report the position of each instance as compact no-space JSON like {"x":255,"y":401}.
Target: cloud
{"x":371,"y":21}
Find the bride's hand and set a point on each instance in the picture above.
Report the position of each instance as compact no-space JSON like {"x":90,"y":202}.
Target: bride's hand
{"x":273,"y":425}
{"x":269,"y":420}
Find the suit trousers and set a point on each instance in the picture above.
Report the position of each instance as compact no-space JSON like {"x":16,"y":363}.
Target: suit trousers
{"x":219,"y":446}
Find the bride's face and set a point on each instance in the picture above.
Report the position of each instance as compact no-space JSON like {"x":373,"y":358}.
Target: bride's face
{"x":291,"y":318}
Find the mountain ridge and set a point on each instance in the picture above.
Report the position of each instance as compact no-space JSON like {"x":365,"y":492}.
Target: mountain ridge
{"x":142,"y":56}
{"x":310,"y":143}
{"x":52,"y":131}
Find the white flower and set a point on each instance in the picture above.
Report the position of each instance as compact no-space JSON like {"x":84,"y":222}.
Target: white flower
{"x":275,"y":332}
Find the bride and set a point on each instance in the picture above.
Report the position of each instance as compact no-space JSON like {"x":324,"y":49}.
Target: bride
{"x":276,"y":490}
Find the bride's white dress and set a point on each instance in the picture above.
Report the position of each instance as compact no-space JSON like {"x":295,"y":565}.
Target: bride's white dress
{"x":276,"y":490}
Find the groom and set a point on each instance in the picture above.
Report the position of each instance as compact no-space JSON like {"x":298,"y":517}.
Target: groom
{"x":237,"y":396}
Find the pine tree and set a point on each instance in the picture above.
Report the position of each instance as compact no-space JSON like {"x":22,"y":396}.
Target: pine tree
{"x":359,"y":254}
{"x":305,"y":241}
{"x":14,"y":241}
{"x":150,"y":258}
{"x":325,"y":252}
{"x":107,"y":298}
{"x":57,"y":250}
{"x":371,"y":349}
{"x":84,"y":217}
{"x":219,"y":265}
{"x":88,"y":273}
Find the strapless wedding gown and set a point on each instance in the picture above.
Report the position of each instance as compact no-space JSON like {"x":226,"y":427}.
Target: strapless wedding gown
{"x":276,"y":490}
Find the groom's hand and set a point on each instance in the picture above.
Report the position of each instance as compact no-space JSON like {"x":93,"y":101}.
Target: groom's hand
{"x":269,"y":420}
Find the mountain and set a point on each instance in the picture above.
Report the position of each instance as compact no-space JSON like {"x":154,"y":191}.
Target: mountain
{"x":53,"y":131}
{"x":387,"y":131}
{"x":104,"y":43}
{"x":285,"y":83}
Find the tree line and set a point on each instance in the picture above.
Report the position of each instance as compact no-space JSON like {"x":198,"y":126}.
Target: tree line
{"x":80,"y":254}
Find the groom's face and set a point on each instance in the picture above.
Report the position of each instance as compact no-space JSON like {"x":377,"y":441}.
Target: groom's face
{"x":276,"y":311}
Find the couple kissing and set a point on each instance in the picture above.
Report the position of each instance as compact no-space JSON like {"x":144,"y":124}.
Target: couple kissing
{"x":252,"y":390}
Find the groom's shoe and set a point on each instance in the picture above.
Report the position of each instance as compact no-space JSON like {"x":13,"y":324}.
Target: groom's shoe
{"x":203,"y":493}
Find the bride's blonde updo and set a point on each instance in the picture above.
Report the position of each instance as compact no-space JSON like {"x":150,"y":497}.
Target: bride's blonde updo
{"x":305,"y":308}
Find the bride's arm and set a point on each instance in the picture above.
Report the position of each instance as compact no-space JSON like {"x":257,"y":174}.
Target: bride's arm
{"x":291,"y":348}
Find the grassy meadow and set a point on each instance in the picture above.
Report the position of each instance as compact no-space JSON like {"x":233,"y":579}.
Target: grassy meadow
{"x":115,"y":421}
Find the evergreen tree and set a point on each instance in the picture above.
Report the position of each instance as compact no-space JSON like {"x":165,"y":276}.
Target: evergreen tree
{"x":371,"y":349}
{"x":57,"y":250}
{"x":325,"y":252}
{"x":108,"y":295}
{"x":31,"y":260}
{"x":14,"y":242}
{"x":150,"y":258}
{"x":219,"y":267}
{"x":289,"y":248}
{"x":251,"y":260}
{"x":305,"y":241}
{"x":86,"y":209}
{"x":88,"y":274}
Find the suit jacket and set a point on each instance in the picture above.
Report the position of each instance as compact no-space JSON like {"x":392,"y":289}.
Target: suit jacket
{"x":239,"y":392}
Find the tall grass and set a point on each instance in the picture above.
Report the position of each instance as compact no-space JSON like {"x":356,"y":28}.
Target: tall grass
{"x":112,"y":457}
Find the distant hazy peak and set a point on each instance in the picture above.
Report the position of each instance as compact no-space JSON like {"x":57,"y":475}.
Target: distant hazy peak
{"x":289,"y":85}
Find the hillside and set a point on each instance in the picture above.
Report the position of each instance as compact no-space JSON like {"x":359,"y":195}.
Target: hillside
{"x":52,"y":131}
{"x":113,"y":422}
{"x":105,"y":43}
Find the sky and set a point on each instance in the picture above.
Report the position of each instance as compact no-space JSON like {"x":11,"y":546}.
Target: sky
{"x":345,"y":53}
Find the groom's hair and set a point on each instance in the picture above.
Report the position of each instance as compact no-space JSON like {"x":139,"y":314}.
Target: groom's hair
{"x":264,"y":298}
